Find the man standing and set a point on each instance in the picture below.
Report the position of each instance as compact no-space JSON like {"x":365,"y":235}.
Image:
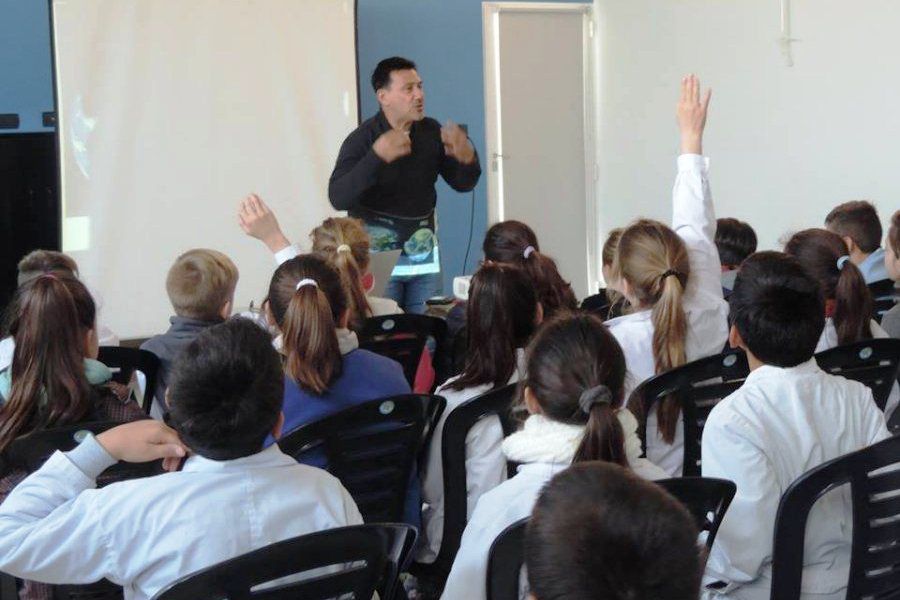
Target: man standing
{"x":385,"y":175}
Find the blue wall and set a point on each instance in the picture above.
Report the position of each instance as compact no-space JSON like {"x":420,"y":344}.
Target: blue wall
{"x":25,"y":69}
{"x":444,"y":39}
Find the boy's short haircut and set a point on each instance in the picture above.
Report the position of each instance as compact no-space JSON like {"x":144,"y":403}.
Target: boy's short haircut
{"x":200,"y":283}
{"x":736,"y":240}
{"x":778,"y":309}
{"x":600,"y":531}
{"x":226,"y":390}
{"x":38,"y":262}
{"x":859,"y":221}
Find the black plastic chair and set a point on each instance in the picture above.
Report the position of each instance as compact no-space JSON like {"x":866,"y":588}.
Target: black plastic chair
{"x":125,"y":361}
{"x":29,"y":452}
{"x":505,"y":560}
{"x":703,"y":496}
{"x":697,"y":386}
{"x":885,"y":295}
{"x":453,"y":457}
{"x":403,"y":338}
{"x":875,"y":363}
{"x":371,"y":448}
{"x":365,"y":555}
{"x":874,"y":564}
{"x":600,"y":305}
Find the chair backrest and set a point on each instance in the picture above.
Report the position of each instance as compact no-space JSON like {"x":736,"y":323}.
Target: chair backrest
{"x":453,"y":456}
{"x":874,"y":564}
{"x":884,"y":296}
{"x":371,"y":448}
{"x":697,"y":386}
{"x":403,"y":338}
{"x":505,"y":560}
{"x":875,"y":363}
{"x":706,"y":498}
{"x":361,"y":557}
{"x":125,"y":361}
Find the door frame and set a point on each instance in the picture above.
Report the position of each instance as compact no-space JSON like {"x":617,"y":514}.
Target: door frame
{"x":492,"y":115}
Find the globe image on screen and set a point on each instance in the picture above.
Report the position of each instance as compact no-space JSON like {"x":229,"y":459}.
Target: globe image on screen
{"x":420,"y":245}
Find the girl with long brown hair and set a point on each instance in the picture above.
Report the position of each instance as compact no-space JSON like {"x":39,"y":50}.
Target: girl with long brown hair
{"x":501,"y":315}
{"x":671,"y":278}
{"x":573,"y":391}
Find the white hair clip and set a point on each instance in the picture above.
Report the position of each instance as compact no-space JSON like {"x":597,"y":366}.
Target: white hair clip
{"x":528,"y":252}
{"x":306,"y":282}
{"x":343,"y":248}
{"x":842,"y":261}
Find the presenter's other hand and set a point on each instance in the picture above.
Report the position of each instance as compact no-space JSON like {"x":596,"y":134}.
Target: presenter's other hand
{"x":257,"y":220}
{"x":691,"y":114}
{"x":392,"y":145}
{"x":456,"y":143}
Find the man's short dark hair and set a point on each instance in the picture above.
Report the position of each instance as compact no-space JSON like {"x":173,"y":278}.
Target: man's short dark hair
{"x":226,"y":390}
{"x":778,"y":309}
{"x":600,"y":531}
{"x":857,"y":220}
{"x":735,"y":240}
{"x":381,"y":76}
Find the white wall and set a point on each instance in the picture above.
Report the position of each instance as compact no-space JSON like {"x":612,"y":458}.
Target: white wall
{"x":786,"y":143}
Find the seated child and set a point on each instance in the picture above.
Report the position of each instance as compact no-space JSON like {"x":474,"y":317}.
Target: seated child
{"x":502,"y":313}
{"x":572,"y":392}
{"x":787,"y":418}
{"x":735,"y":241}
{"x":200,"y":285}
{"x":231,"y":496}
{"x":890,"y":322}
{"x":858,"y":225}
{"x":600,"y":532}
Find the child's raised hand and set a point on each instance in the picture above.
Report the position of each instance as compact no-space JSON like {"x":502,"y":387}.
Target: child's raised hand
{"x":257,"y":220}
{"x":691,"y":114}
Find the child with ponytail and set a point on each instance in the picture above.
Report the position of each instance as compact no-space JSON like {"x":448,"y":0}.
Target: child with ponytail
{"x":848,"y":303}
{"x":573,"y":390}
{"x":501,"y":315}
{"x":325,"y":370}
{"x":671,"y":279}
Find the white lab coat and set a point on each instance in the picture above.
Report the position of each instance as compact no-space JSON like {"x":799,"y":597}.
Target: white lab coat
{"x":546,"y":448}
{"x":694,"y":220}
{"x":485,"y":463}
{"x":829,"y":340}
{"x":144,"y":534}
{"x":780,"y":424}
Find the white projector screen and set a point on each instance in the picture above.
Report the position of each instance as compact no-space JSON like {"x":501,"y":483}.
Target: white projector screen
{"x":170,"y":112}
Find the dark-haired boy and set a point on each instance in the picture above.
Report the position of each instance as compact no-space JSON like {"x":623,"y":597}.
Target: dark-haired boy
{"x":735,"y":241}
{"x":787,"y":418}
{"x":858,"y":225}
{"x":231,"y":497}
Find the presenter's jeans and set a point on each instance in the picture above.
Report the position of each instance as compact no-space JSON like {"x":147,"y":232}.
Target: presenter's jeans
{"x":411,"y":291}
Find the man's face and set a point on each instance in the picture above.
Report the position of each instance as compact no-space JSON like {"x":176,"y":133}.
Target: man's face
{"x":403,"y":98}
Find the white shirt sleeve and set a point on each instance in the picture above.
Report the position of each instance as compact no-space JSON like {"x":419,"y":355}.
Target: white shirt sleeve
{"x":52,"y":523}
{"x":694,"y":220}
{"x":744,"y":540}
{"x":286,"y":254}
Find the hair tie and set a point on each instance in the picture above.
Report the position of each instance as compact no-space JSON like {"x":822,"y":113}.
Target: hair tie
{"x":306,"y":282}
{"x":842,"y":261}
{"x":669,"y":273}
{"x":344,"y":248}
{"x":528,"y":252}
{"x":599,"y":394}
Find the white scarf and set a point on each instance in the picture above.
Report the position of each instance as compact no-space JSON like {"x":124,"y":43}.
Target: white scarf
{"x":542,"y":440}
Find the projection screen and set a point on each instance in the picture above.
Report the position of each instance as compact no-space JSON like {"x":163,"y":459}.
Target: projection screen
{"x":170,"y":111}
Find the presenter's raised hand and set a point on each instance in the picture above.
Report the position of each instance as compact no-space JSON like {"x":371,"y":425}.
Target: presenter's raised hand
{"x":456,"y":143}
{"x":392,"y":145}
{"x":691,"y":114}
{"x":257,"y":220}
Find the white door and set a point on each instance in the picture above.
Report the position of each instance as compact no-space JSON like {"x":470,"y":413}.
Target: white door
{"x":539,"y":113}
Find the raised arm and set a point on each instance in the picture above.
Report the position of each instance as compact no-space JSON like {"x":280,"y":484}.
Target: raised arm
{"x":693,"y":217}
{"x":257,"y":220}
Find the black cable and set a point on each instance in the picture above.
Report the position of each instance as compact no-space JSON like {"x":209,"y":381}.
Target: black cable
{"x":471,"y":231}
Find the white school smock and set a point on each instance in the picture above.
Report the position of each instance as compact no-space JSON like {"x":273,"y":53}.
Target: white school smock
{"x":143,"y":534}
{"x":546,"y":447}
{"x":780,"y":424}
{"x":485,"y":463}
{"x":829,"y":340}
{"x":694,"y":220}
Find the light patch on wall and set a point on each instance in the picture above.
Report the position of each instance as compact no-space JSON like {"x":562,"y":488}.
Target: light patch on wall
{"x":76,"y":234}
{"x":346,"y":101}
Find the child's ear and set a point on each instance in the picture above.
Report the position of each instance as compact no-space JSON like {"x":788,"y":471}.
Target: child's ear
{"x":279,"y":425}
{"x":270,"y":319}
{"x":538,"y":314}
{"x":851,"y":245}
{"x":368,"y":282}
{"x":735,"y":340}
{"x":226,"y":309}
{"x":531,"y":402}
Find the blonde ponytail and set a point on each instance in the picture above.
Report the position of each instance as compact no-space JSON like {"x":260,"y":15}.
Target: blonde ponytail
{"x":344,"y":242}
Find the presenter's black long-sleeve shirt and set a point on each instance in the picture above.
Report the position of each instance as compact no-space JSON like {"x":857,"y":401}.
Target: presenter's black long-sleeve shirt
{"x":404,"y":188}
